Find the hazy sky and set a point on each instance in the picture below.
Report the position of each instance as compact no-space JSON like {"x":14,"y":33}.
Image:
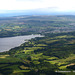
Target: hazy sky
{"x":58,"y":5}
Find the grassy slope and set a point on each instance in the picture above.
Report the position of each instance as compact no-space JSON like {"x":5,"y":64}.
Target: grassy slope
{"x":31,"y":55}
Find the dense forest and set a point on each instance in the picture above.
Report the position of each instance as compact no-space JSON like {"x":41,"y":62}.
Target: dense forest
{"x":46,"y":55}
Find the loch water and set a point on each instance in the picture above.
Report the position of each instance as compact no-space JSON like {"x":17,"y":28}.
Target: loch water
{"x":10,"y":42}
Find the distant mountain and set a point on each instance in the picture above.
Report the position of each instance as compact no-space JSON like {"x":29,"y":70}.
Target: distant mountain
{"x":9,"y":13}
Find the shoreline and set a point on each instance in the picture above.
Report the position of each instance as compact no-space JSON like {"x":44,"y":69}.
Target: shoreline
{"x":18,"y":35}
{"x":26,"y":40}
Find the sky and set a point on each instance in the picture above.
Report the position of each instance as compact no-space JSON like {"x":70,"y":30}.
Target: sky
{"x":50,"y":5}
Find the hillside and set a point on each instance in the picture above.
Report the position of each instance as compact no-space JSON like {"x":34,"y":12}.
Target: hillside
{"x":25,"y":25}
{"x":44,"y":56}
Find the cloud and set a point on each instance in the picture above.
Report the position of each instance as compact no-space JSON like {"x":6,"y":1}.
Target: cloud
{"x":29,"y":0}
{"x":59,"y":5}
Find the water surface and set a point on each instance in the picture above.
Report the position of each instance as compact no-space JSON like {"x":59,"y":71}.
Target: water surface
{"x":11,"y":42}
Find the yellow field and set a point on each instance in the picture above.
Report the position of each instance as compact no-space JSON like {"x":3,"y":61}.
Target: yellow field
{"x":3,"y":56}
